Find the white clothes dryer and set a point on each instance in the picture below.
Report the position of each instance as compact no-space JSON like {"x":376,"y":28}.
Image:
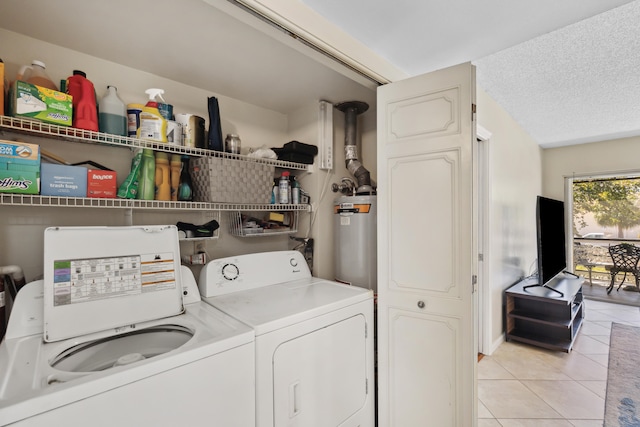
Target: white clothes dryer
{"x":116,"y":334}
{"x":314,"y":338}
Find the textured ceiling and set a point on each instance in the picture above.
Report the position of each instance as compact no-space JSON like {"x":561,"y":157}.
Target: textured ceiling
{"x":566,"y":71}
{"x":578,"y":84}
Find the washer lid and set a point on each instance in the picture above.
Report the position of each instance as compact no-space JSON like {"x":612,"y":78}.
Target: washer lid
{"x":99,"y":278}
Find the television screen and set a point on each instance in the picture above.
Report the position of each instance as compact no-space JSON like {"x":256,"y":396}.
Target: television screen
{"x":550,"y":225}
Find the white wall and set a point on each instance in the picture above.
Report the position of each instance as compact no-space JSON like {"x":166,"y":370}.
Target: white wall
{"x":21,"y":229}
{"x":515,"y":179}
{"x":597,"y":158}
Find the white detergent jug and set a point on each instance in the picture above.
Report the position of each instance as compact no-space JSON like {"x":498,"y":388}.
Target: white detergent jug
{"x":112,"y":116}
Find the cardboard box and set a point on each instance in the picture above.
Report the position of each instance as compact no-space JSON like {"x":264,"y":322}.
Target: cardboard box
{"x":35,"y":102}
{"x":19,"y":167}
{"x":101,"y":184}
{"x":63,"y":181}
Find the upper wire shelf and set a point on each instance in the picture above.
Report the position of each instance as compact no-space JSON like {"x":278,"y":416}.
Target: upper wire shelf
{"x":35,"y":127}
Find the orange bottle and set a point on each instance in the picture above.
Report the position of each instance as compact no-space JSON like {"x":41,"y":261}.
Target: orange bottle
{"x":36,"y":75}
{"x":162,"y":177}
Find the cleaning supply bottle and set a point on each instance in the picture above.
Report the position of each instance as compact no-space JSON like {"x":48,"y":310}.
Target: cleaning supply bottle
{"x":85,"y":108}
{"x":284,"y":189}
{"x":176,"y":170}
{"x":36,"y":75}
{"x":152,"y":124}
{"x":112,"y":117}
{"x":295,"y":191}
{"x":163,"y":177}
{"x":146,"y":181}
{"x":274,"y":192}
{"x":185,"y":192}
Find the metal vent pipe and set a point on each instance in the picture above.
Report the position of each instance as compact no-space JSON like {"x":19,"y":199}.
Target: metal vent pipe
{"x":351,"y":110}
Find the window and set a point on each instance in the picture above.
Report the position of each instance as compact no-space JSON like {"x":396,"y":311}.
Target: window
{"x":606,"y":211}
{"x":607,"y":208}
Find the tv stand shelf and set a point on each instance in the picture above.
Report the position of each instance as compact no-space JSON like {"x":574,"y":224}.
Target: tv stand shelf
{"x":541,"y":317}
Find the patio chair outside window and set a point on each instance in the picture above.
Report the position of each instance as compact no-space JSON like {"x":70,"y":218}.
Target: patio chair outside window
{"x":625,"y":258}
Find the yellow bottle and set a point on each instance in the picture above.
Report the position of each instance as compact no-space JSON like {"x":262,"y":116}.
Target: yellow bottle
{"x":176,"y":170}
{"x":152,"y":124}
{"x":162,"y":178}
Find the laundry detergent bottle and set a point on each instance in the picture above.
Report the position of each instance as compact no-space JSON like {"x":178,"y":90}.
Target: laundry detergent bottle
{"x":152,"y":124}
{"x":163,"y":177}
{"x":176,"y":170}
{"x":112,"y":116}
{"x":146,"y":181}
{"x":85,"y":108}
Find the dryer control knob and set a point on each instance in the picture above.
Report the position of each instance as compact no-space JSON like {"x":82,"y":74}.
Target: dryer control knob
{"x":293,"y":262}
{"x":230,"y":271}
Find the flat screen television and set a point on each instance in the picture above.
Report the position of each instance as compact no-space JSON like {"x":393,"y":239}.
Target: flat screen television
{"x":551,"y":240}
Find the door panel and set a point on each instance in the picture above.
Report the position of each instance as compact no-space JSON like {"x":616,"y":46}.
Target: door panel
{"x":431,"y":176}
{"x":320,"y":379}
{"x":437,"y":110}
{"x":412,"y":335}
{"x":426,"y":235}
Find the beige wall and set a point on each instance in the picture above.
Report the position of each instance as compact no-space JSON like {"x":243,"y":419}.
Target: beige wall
{"x":597,"y":158}
{"x":515,"y":179}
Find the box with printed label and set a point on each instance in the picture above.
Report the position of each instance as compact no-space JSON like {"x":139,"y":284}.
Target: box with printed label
{"x":19,"y":167}
{"x":63,"y":181}
{"x":101,"y":184}
{"x":35,"y":102}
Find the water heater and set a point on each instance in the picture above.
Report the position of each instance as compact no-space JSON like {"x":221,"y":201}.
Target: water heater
{"x":355,"y":223}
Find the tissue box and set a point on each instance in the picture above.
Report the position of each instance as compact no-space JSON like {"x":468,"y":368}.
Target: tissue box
{"x":35,"y":102}
{"x":63,"y":181}
{"x":19,"y":167}
{"x":101,"y":184}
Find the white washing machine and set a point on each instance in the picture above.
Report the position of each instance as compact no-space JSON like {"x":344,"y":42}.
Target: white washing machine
{"x":314,"y":338}
{"x":116,"y":334}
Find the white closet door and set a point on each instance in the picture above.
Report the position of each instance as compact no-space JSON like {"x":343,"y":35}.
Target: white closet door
{"x":426,"y":248}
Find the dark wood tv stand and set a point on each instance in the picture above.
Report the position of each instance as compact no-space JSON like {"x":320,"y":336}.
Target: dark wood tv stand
{"x":541,"y":317}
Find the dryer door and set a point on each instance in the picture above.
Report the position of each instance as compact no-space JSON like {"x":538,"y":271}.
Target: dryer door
{"x":320,"y":378}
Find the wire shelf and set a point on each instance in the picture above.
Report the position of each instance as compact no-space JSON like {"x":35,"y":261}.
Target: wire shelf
{"x":238,"y":228}
{"x":33,"y":127}
{"x":82,"y":202}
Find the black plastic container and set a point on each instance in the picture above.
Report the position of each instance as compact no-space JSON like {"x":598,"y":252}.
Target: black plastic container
{"x":298,"y":152}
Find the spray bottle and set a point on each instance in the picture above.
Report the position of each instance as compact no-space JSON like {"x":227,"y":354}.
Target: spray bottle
{"x":152,"y":124}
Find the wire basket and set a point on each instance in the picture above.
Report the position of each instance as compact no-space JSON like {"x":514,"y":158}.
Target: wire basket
{"x":218,"y":179}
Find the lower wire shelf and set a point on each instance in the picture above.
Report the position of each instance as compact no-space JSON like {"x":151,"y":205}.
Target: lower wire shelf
{"x":263,"y":224}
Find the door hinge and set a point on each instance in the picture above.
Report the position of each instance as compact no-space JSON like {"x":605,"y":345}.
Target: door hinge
{"x":480,"y":257}
{"x":474,"y":283}
{"x":473,"y":112}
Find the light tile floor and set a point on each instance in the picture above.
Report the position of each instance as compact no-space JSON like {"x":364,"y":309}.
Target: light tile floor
{"x":526,"y":386}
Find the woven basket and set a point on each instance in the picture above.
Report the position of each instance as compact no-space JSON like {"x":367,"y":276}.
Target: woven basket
{"x":217,"y":179}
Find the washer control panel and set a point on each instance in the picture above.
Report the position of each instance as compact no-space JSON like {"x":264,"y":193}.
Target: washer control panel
{"x":232,"y":274}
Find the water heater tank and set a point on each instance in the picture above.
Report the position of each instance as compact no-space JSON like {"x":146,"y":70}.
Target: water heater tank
{"x":355,"y":238}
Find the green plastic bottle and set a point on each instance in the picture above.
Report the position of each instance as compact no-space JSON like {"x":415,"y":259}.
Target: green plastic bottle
{"x":146,"y":183}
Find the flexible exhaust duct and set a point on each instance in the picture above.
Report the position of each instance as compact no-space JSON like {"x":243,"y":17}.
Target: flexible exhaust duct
{"x":351,"y":110}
